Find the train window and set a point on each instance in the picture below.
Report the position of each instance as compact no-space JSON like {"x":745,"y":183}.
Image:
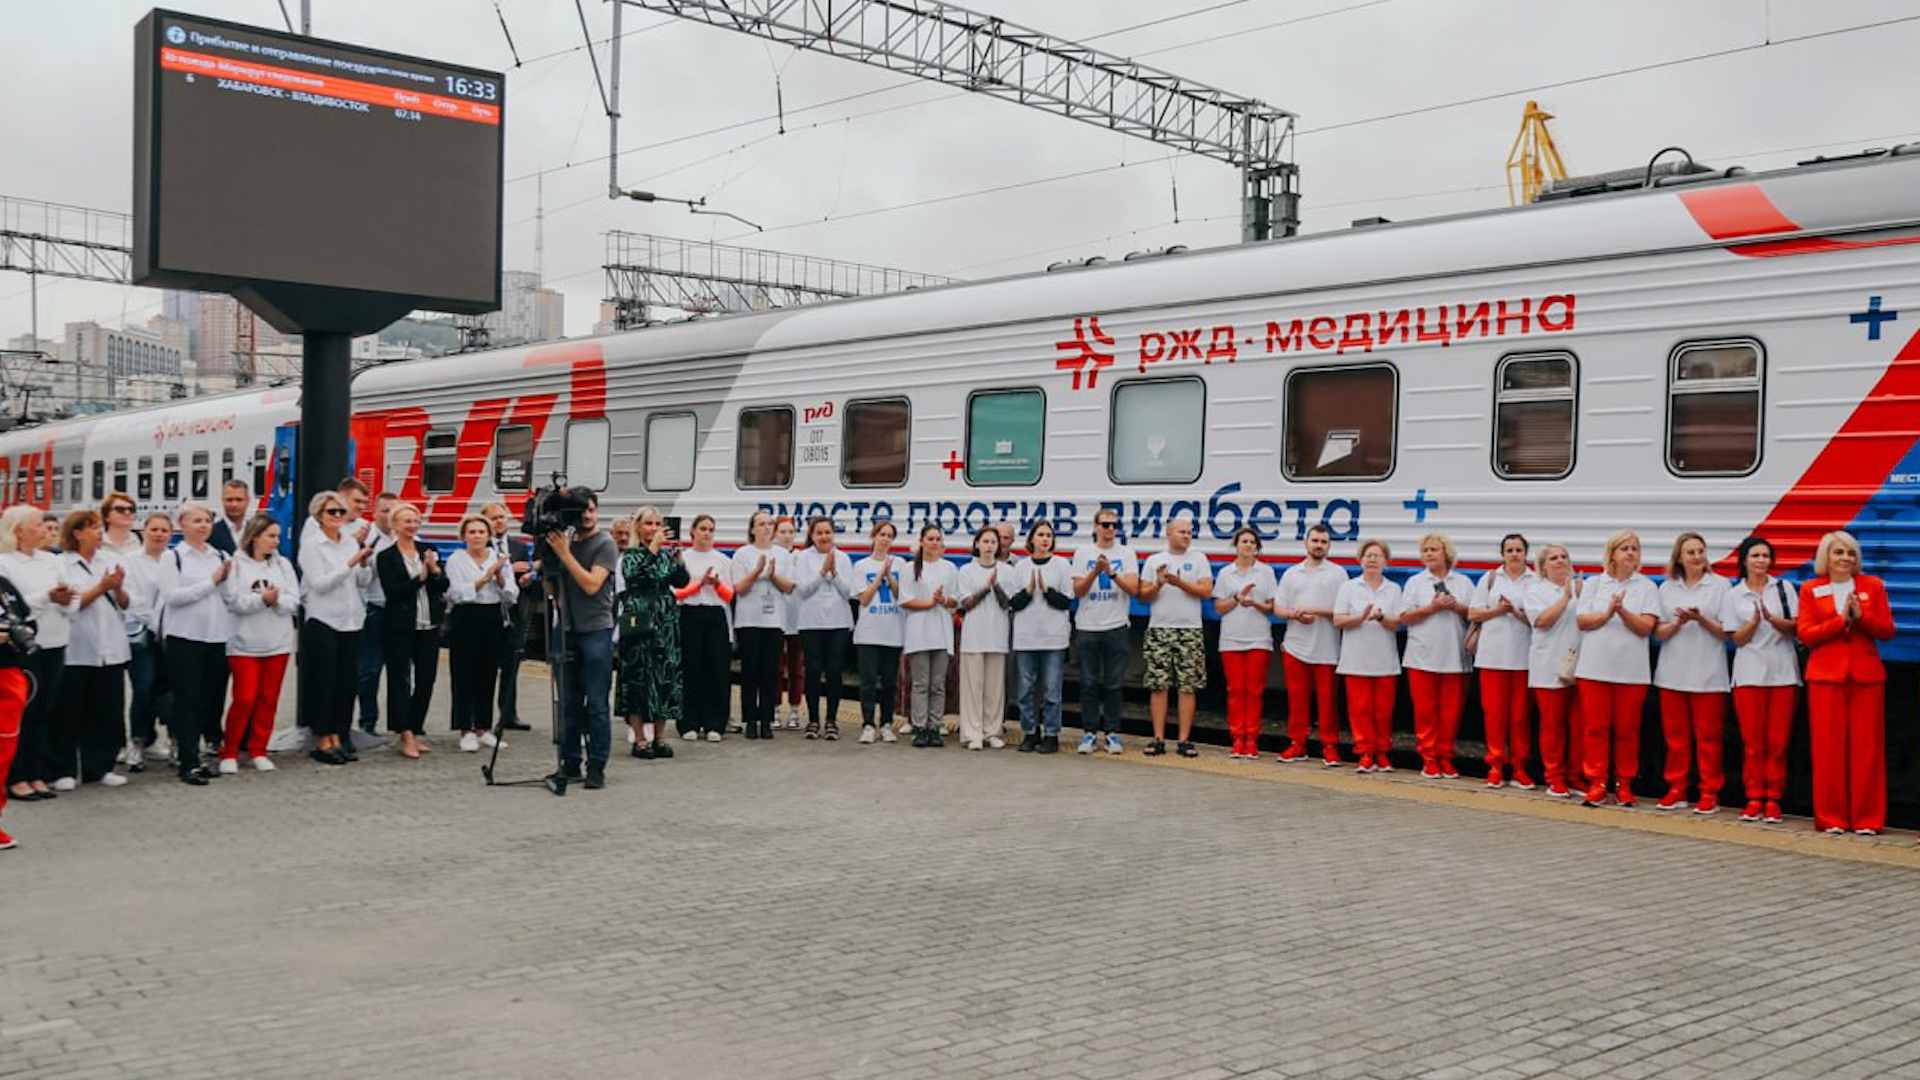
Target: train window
{"x":874,"y":443}
{"x":765,"y":448}
{"x":202,"y":469}
{"x":588,"y":453}
{"x":226,"y":466}
{"x":1340,"y":422}
{"x":259,"y":468}
{"x":670,"y":451}
{"x":120,"y":475}
{"x":99,"y":481}
{"x":1158,"y":431}
{"x":1533,"y":417}
{"x":1713,"y":409}
{"x":170,"y":477}
{"x":439,"y":459}
{"x":1006,"y":437}
{"x":144,"y":480}
{"x":76,"y":483}
{"x":513,"y":457}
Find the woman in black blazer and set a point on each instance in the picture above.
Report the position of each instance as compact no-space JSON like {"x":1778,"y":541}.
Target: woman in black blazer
{"x":416,"y":590}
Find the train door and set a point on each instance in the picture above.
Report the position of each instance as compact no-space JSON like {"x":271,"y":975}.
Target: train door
{"x":280,"y":484}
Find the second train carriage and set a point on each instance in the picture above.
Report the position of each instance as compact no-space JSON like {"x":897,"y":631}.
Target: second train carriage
{"x":1727,"y":355}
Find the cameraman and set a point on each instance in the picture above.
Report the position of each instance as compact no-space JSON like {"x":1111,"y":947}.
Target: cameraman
{"x":588,"y":556}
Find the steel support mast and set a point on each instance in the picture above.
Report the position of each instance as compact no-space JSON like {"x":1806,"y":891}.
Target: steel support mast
{"x":984,"y":54}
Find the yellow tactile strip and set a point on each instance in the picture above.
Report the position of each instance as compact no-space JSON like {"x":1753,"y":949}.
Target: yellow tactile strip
{"x":1796,"y":836}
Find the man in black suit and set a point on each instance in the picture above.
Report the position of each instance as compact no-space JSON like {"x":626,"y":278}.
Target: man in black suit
{"x":519,"y":554}
{"x":235,"y":500}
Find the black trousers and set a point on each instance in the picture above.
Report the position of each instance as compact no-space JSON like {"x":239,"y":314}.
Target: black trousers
{"x":759,"y":672}
{"x":879,"y":682}
{"x":510,"y":645}
{"x":473,"y":663}
{"x":329,"y":677}
{"x":413,"y":663}
{"x":197,"y":677}
{"x":705,"y":656}
{"x":826,"y":654}
{"x":89,"y":724}
{"x":32,"y":760}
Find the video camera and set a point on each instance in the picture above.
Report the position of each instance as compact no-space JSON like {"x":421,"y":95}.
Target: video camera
{"x":555,"y":508}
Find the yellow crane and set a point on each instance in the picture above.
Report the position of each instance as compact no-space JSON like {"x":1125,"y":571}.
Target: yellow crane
{"x":1534,"y":160}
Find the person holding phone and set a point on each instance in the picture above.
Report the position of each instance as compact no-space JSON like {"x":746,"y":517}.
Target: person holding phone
{"x":1760,"y":614}
{"x":674,"y":643}
{"x":1434,"y":610}
{"x":1844,"y":615}
{"x":262,"y":594}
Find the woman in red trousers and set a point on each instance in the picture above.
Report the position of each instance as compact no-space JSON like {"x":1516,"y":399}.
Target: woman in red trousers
{"x":1499,"y":609}
{"x":262,"y":593}
{"x":1843,"y":615}
{"x":14,"y":690}
{"x":1616,"y":612}
{"x":1766,"y":675}
{"x":1692,"y":674}
{"x":1552,"y":650}
{"x":1366,"y":611}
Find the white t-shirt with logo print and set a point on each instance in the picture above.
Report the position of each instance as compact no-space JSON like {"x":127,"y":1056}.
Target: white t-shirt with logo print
{"x":1106,"y":606}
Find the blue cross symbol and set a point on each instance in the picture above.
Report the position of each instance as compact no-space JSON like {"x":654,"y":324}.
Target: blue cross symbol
{"x":1420,"y":504}
{"x":1873,"y":317}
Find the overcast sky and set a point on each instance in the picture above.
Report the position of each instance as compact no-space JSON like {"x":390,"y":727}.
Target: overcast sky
{"x":829,"y":186}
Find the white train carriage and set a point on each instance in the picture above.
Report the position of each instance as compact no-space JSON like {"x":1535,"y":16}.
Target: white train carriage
{"x":1728,"y":354}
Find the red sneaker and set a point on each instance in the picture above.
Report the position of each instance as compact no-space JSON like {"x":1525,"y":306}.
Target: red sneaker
{"x":7,"y":841}
{"x":1772,"y":813}
{"x":1522,"y":781}
{"x":1625,"y":794}
{"x":1494,"y":779}
{"x":1288,"y":757}
{"x":1332,"y":761}
{"x":1709,"y":803}
{"x":1380,"y":763}
{"x":1596,"y":796}
{"x":1430,"y":769}
{"x":1365,"y":763}
{"x":1674,"y":799}
{"x":1558,"y":789}
{"x":1447,"y":771}
{"x":1752,"y":811}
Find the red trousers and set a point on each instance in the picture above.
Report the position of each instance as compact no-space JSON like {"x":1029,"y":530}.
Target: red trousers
{"x":13,"y":702}
{"x":1370,"y":712}
{"x":1503,"y":699}
{"x":1766,"y":722}
{"x":1610,"y":713}
{"x":1561,"y":741}
{"x":256,"y":698}
{"x":1246,"y":671}
{"x":1307,"y":684}
{"x":1849,"y":728}
{"x":792,"y":680}
{"x":1695,"y":724}
{"x":1438,"y":699}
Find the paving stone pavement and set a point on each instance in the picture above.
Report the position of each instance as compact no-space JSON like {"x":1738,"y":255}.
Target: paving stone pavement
{"x":838,"y":911}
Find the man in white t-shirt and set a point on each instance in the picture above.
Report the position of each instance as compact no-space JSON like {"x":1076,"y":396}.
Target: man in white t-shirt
{"x":1105,"y":582}
{"x":1311,"y":649}
{"x":1174,"y":582}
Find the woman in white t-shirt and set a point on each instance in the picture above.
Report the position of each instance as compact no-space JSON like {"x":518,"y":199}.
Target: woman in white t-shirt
{"x":1692,"y":673}
{"x":1499,"y":609}
{"x":762,"y":578}
{"x":791,"y":685}
{"x":1434,"y":613}
{"x":1760,"y":616}
{"x":929,"y":593}
{"x":1040,"y":598}
{"x":1552,"y":649}
{"x":1243,"y":597}
{"x":1617,"y":610}
{"x":1367,"y":614}
{"x":984,"y":591}
{"x":822,"y":585}
{"x":878,"y":632}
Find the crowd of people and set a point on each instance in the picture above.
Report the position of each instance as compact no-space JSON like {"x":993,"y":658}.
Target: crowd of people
{"x":199,"y":632}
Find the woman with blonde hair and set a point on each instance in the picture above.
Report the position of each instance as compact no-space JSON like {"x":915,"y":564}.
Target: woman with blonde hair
{"x":262,"y":593}
{"x":38,"y":576}
{"x":1844,"y":615}
{"x":1553,"y":650}
{"x":480,"y":588}
{"x":1692,"y":673}
{"x":1617,"y":610}
{"x":1434,"y":612}
{"x":334,"y":576}
{"x":416,"y":590}
{"x":649,"y":689}
{"x":1367,"y":614}
{"x":196,"y":625}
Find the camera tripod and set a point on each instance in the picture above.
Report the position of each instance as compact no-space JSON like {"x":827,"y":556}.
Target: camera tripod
{"x":559,"y":654}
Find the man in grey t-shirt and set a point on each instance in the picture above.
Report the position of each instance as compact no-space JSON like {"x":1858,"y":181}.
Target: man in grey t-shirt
{"x":588,"y":556}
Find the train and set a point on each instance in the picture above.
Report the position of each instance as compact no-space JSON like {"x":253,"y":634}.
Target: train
{"x":1728,"y":352}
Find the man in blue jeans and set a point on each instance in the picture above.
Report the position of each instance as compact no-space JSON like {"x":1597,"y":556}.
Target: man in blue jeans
{"x":588,"y":556}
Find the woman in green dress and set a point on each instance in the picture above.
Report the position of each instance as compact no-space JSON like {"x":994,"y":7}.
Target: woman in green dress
{"x":648,"y":688}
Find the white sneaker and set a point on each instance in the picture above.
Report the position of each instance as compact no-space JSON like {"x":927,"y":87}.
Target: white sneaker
{"x":1087,"y":743}
{"x":887,"y":735}
{"x":713,"y":736}
{"x":793,"y":718}
{"x":468,"y":743}
{"x":736,"y":724}
{"x":113,"y":779}
{"x":489,"y":740}
{"x":631,"y":737}
{"x":903,"y":726}
{"x":691,"y":736}
{"x":1115,"y":746}
{"x":229,"y":766}
{"x":161,"y":750}
{"x":996,"y":742}
{"x":262,"y":764}
{"x":976,"y":744}
{"x":866,"y":734}
{"x":132,"y":755}
{"x":65,"y":783}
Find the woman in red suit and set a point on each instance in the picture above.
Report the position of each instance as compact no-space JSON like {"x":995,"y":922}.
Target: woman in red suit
{"x":1841,"y":617}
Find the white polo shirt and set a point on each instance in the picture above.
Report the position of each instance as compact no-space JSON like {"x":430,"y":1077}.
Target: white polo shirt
{"x":1370,"y":648}
{"x":1315,"y":588}
{"x":1105,"y":607}
{"x":1174,"y":608}
{"x":1613,"y":653}
{"x":1244,"y":627}
{"x":1503,"y":638}
{"x":1768,"y":658}
{"x":1437,"y":643}
{"x":1547,"y":645}
{"x":1693,"y":659}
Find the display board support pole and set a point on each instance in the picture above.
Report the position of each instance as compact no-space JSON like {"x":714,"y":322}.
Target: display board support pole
{"x":326,"y":372}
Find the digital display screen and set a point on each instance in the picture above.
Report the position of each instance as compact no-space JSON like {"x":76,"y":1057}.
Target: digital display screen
{"x":269,"y":157}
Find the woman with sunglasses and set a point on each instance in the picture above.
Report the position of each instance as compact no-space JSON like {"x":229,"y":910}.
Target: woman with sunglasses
{"x":117,"y":512}
{"x":334,"y":577}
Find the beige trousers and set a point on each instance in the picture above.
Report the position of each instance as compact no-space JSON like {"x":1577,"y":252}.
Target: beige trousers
{"x":983,"y":695}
